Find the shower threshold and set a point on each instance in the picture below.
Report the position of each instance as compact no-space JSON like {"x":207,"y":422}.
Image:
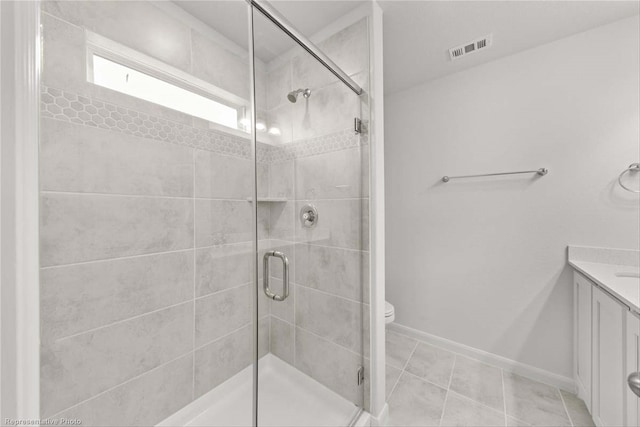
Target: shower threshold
{"x":286,"y":397}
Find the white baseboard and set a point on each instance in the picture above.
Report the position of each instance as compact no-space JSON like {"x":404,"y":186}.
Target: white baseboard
{"x":509,"y":365}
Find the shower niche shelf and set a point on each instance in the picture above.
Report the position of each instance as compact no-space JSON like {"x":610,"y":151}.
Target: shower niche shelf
{"x":268,"y":199}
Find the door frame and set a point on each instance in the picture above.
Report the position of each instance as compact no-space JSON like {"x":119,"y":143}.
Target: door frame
{"x":19,"y":225}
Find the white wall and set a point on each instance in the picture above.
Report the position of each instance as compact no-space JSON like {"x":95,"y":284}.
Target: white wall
{"x":483,"y":261}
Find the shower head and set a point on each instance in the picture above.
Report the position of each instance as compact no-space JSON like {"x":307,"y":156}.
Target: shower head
{"x":293,"y":95}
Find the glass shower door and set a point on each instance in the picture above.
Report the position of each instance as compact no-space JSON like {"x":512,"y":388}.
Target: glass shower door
{"x":146,"y":232}
{"x":312,"y":212}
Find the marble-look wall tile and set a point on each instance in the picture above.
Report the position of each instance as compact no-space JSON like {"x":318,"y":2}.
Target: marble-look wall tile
{"x":223,"y":177}
{"x":80,"y":297}
{"x":220,"y":222}
{"x":276,"y":267}
{"x":64,"y":68}
{"x":222,"y":267}
{"x":334,"y":318}
{"x":341,"y":223}
{"x":283,"y":309}
{"x":281,"y":117}
{"x":143,"y":401}
{"x":63,"y":53}
{"x":347,"y":48}
{"x":343,"y":272}
{"x":220,"y":360}
{"x":264,"y":220}
{"x":77,"y":228}
{"x":335,"y":175}
{"x":307,"y":72}
{"x":221,"y":313}
{"x":77,"y":158}
{"x":282,"y":179}
{"x":216,"y":65}
{"x":135,"y":24}
{"x":278,"y":86}
{"x":328,"y":110}
{"x":76,"y":368}
{"x":264,"y":330}
{"x":328,"y":363}
{"x":282,"y":336}
{"x":264,"y":181}
{"x":282,"y":218}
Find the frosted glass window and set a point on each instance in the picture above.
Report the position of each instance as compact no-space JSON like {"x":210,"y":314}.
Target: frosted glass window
{"x":123,"y":79}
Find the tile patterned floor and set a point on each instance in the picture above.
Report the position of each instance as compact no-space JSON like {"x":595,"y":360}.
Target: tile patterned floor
{"x":429,"y":386}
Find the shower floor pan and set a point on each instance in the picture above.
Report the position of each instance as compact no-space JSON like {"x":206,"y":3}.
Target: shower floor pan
{"x":286,"y":397}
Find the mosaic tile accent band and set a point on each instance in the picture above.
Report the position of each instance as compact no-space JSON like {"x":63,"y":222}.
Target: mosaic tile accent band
{"x":70,"y":107}
{"x":336,"y":141}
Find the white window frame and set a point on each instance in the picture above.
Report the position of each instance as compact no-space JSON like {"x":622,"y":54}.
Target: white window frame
{"x":118,"y":53}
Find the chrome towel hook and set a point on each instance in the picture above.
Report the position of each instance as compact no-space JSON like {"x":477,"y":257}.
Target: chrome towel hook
{"x":633,"y":167}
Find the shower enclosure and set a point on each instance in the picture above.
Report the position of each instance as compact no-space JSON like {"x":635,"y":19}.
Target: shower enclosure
{"x":204,"y":215}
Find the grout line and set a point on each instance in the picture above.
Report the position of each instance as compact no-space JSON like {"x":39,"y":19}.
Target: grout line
{"x":117,"y":322}
{"x":115,"y":258}
{"x":144,"y":196}
{"x":444,"y":406}
{"x":315,"y":245}
{"x":231,"y":288}
{"x":462,"y":396}
{"x":453,"y":368}
{"x":328,"y":293}
{"x":459,"y":354}
{"x":324,"y":339}
{"x":446,"y":397}
{"x":426,"y":381}
{"x":504,"y":397}
{"x":57,"y":414}
{"x":564,"y":405}
{"x":328,"y":199}
{"x":468,"y":398}
{"x":402,"y":370}
{"x":415,"y":347}
{"x":196,"y":248}
{"x":61,"y":20}
{"x":221,"y":337}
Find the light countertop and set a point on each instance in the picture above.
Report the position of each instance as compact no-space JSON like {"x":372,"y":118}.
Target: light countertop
{"x":614,"y":279}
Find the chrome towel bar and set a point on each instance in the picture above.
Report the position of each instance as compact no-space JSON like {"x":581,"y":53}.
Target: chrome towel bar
{"x":541,"y":172}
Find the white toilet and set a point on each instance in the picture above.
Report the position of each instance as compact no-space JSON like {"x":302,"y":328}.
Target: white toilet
{"x":389,"y":312}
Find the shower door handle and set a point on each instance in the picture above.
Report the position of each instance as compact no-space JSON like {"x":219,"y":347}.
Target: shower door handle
{"x":285,"y":275}
{"x":634,"y":383}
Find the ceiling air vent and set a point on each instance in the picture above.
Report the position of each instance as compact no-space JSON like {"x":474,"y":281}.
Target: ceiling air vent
{"x":470,"y":47}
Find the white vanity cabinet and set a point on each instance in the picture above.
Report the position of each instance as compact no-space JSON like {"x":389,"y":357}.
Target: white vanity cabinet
{"x":633,"y":365}
{"x":607,"y":350}
{"x":582,"y":322}
{"x":608,"y":363}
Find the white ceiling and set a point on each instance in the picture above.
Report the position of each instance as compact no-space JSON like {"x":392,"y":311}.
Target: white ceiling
{"x":229,"y":18}
{"x":418,"y":34}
